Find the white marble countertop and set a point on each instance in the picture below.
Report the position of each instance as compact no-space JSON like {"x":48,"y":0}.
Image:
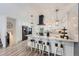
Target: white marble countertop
{"x":52,"y":38}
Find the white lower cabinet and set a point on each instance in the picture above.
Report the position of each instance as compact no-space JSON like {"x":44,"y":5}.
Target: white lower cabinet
{"x":67,"y":50}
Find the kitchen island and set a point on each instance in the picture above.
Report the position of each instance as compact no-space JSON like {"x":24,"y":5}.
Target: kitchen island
{"x":68,"y":45}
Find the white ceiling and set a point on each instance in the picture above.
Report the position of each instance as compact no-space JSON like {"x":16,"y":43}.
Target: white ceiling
{"x":17,"y":8}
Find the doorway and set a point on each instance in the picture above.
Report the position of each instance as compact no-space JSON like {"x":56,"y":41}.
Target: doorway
{"x":11,"y":27}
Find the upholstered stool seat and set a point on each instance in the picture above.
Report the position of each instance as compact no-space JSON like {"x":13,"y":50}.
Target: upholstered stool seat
{"x":40,"y":42}
{"x":48,"y":43}
{"x":32,"y":40}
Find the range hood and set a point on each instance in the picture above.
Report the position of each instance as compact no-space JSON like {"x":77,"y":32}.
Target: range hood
{"x":41,"y":21}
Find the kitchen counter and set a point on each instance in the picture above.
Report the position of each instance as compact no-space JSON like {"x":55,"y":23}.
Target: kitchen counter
{"x":52,"y":38}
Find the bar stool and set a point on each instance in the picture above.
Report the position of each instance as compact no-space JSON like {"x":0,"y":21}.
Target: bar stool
{"x":44,"y":50}
{"x":37,"y":45}
{"x":32,"y":44}
{"x":43,"y":47}
{"x":60,"y":51}
{"x":49,"y":48}
{"x":56,"y":49}
{"x":40,"y":46}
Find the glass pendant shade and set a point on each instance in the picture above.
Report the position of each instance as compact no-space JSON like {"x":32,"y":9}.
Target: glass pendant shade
{"x":57,"y":20}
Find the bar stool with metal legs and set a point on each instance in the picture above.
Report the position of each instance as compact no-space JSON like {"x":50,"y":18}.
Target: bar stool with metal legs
{"x":46,"y":46}
{"x":32,"y":44}
{"x":49,"y":48}
{"x":40,"y":47}
{"x":43,"y":47}
{"x":60,"y":51}
{"x":44,"y":50}
{"x":56,"y":49}
{"x":37,"y":45}
{"x":37,"y":49}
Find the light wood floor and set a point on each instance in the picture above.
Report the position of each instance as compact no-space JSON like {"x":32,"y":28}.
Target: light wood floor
{"x":21,"y":49}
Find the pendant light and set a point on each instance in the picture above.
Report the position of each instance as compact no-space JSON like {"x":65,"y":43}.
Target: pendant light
{"x":57,"y":20}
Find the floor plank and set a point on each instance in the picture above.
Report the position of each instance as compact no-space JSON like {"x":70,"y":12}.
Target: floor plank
{"x":20,"y":49}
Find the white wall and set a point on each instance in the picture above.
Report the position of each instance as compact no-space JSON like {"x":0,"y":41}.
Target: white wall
{"x":72,"y":23}
{"x":19,"y":22}
{"x":3,"y":30}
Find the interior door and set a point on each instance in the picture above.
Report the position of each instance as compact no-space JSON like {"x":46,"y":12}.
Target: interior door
{"x":11,"y":30}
